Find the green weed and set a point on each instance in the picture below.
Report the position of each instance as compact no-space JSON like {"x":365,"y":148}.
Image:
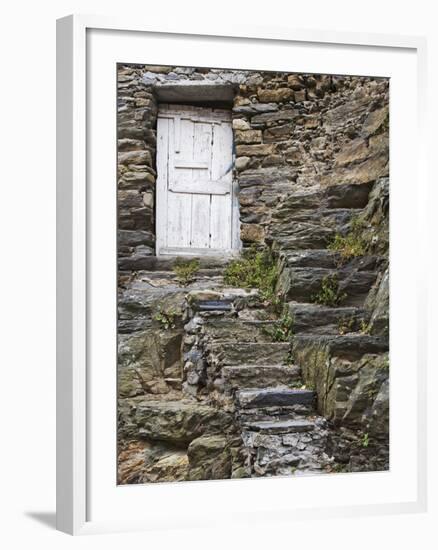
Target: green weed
{"x":255,"y":269}
{"x":346,"y":325}
{"x":351,"y":245}
{"x":365,"y":328}
{"x":166,"y":318}
{"x":329,"y":294}
{"x":186,"y":271}
{"x":282,"y":329}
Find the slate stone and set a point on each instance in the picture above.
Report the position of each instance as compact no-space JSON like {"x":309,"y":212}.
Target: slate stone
{"x":281,"y":427}
{"x":319,"y":319}
{"x":348,"y":196}
{"x":178,"y":422}
{"x":266,"y":376}
{"x":257,"y":353}
{"x":274,"y":397}
{"x":348,"y":346}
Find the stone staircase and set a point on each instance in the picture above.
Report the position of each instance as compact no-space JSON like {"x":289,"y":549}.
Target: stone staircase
{"x":220,"y":398}
{"x":248,"y":373}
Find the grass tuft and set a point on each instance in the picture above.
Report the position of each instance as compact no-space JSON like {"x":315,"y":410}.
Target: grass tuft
{"x":186,"y":271}
{"x":329,"y":294}
{"x":255,"y":269}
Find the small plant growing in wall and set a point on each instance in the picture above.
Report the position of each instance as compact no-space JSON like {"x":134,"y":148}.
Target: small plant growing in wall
{"x":290,"y":357}
{"x":329,"y":294}
{"x":255,"y":269}
{"x":282,"y":329}
{"x":166,"y":317}
{"x":186,"y":271}
{"x":346,"y":325}
{"x":351,"y":245}
{"x":365,"y":328}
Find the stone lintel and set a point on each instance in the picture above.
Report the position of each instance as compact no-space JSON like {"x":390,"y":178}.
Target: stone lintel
{"x":186,"y":91}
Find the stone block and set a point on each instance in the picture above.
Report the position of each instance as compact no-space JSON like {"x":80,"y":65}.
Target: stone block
{"x":209,"y":458}
{"x":300,"y":96}
{"x":242,"y":163}
{"x":251,"y":232}
{"x":177,"y":422}
{"x":241,"y":353}
{"x":255,"y":150}
{"x":274,"y":397}
{"x":277,"y":96}
{"x":135,"y":157}
{"x":296,"y":82}
{"x":248,"y":136}
{"x":278,"y":116}
{"x":354,"y":151}
{"x":241,"y":124}
{"x":129,"y":144}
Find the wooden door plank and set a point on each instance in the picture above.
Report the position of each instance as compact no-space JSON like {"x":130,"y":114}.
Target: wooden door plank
{"x":200,"y":187}
{"x":220,"y":209}
{"x":192,"y":164}
{"x":161,"y":185}
{"x":200,"y":220}
{"x":179,"y":205}
{"x":177,"y":133}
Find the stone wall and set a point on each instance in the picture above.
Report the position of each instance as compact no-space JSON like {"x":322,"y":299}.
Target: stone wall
{"x":311,"y":160}
{"x":291,"y":132}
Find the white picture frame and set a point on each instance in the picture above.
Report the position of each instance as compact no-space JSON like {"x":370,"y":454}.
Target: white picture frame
{"x":75,"y":215}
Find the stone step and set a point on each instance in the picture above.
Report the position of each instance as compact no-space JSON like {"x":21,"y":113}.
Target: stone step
{"x":335,"y":197}
{"x":248,"y":353}
{"x":272,"y":397}
{"x":319,"y":319}
{"x":275,"y":413}
{"x":166,"y":263}
{"x":349,"y":346}
{"x":256,"y":376}
{"x":213,"y":275}
{"x":310,"y":258}
{"x":235,"y":329}
{"x":302,"y":235}
{"x":225,"y":299}
{"x":328,"y":259}
{"x":174,"y":421}
{"x":302,"y":284}
{"x":215,"y":305}
{"x":281,"y":426}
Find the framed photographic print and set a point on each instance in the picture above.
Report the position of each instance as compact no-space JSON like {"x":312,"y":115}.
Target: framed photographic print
{"x":240,"y":295}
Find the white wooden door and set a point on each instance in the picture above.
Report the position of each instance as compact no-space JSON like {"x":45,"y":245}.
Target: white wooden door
{"x":195,"y":200}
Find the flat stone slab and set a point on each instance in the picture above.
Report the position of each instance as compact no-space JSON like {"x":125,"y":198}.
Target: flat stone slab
{"x":192,"y":90}
{"x":318,"y":319}
{"x":177,"y":422}
{"x":256,"y":376}
{"x":301,"y":283}
{"x":281,"y":426}
{"x":215,"y":305}
{"x":311,"y":258}
{"x":272,"y":397}
{"x":255,"y":353}
{"x":235,"y":329}
{"x":349,"y":346}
